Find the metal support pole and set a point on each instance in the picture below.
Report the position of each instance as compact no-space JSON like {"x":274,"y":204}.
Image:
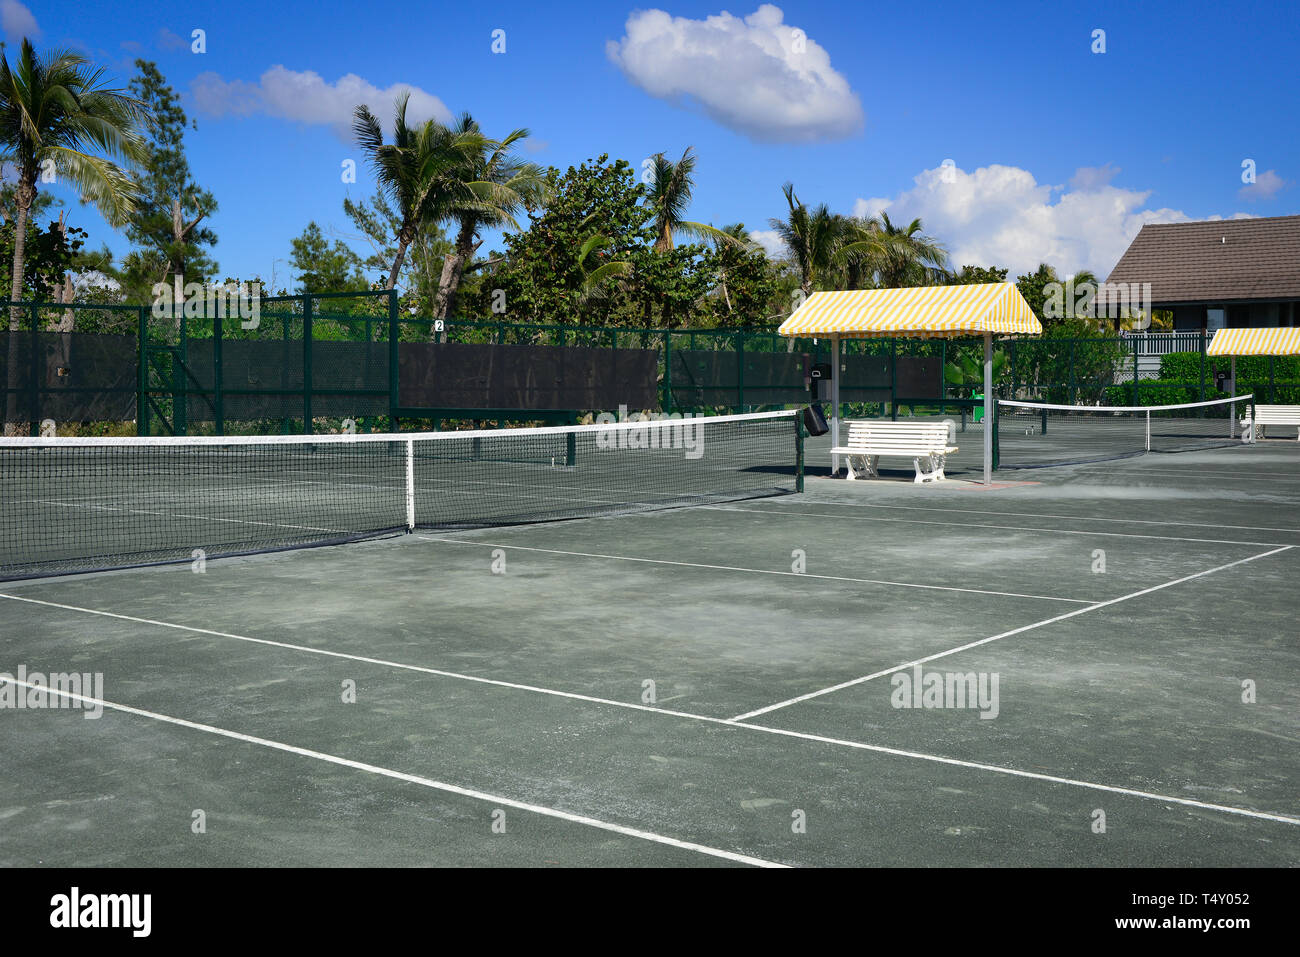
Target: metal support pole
{"x":835,"y":402}
{"x":989,"y":423}
{"x":1232,"y":409}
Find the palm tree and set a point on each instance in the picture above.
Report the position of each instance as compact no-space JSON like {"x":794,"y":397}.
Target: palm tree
{"x":420,"y":172}
{"x":812,"y":236}
{"x":669,"y":196}
{"x":56,"y":115}
{"x":494,"y":185}
{"x":903,"y":256}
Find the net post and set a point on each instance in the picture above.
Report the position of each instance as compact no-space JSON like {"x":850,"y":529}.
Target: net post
{"x":1148,"y":448}
{"x":798,"y":453}
{"x":997,"y":446}
{"x":306,"y":365}
{"x":410,"y":485}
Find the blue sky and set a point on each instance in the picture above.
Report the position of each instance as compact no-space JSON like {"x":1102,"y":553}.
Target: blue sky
{"x":1058,"y":153}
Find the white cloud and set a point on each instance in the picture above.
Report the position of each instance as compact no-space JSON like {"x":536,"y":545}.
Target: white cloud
{"x":17,"y":21}
{"x":758,"y":76}
{"x":168,"y":40}
{"x":1001,"y":216}
{"x":770,"y":240}
{"x":1093,"y":177}
{"x":305,"y":97}
{"x":1267,"y":185}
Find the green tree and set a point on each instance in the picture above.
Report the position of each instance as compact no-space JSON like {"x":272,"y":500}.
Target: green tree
{"x":811,"y":235}
{"x":58,"y":119}
{"x":971,"y":275}
{"x":746,"y":282}
{"x":166,"y":224}
{"x":545,"y":274}
{"x":495,"y":185}
{"x":322,"y":266}
{"x":420,"y":172}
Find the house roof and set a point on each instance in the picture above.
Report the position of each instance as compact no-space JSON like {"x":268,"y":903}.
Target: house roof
{"x":925,"y":312}
{"x":1219,"y":261}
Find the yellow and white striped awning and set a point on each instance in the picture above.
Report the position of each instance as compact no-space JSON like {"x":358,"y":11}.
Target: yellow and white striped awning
{"x":927,"y":312}
{"x":1272,"y":341}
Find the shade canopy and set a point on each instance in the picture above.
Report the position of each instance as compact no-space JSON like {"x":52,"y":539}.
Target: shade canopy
{"x":927,"y":312}
{"x":1278,"y":341}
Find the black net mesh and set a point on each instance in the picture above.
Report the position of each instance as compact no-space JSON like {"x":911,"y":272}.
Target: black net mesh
{"x":80,"y":505}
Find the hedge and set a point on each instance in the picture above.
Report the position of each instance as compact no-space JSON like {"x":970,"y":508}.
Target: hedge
{"x":1174,"y":392}
{"x":1186,"y":367}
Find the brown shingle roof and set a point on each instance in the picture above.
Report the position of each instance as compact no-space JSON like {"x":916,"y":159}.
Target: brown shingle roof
{"x":1192,"y":262}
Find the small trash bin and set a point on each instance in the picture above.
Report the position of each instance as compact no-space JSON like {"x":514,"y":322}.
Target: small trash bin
{"x":979,"y":409}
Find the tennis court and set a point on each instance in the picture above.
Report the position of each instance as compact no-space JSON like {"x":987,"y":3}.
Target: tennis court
{"x":706,"y":685}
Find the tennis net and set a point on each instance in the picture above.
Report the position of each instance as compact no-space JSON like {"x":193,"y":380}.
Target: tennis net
{"x":1038,"y":435}
{"x":74,"y":505}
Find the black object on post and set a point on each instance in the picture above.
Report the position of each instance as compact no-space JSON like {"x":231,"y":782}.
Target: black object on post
{"x":819,"y":373}
{"x":814,"y":420}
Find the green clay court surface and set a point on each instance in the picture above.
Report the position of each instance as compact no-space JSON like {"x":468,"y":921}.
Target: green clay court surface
{"x":509,"y":719}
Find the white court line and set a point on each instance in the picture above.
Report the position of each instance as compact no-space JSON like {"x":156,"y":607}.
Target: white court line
{"x":705,"y":719}
{"x":955,"y":526}
{"x":1076,"y":518}
{"x":1006,"y":634}
{"x":1016,"y":772}
{"x":1288,"y":478}
{"x":410,"y":778}
{"x":752,"y":571}
{"x":360,"y":659}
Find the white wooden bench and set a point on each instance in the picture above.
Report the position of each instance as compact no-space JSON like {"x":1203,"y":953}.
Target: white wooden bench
{"x":870,"y":439}
{"x":1266,"y":415}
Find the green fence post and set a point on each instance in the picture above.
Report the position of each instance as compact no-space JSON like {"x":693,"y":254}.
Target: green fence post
{"x":306,"y":365}
{"x":1137,"y":385}
{"x":1074,"y":393}
{"x":1272,"y":382}
{"x":1202,"y":363}
{"x":36,"y":372}
{"x":181,"y":366}
{"x":142,"y":396}
{"x":893,"y":379}
{"x":668,"y":372}
{"x":740,"y":371}
{"x":218,"y":404}
{"x":393,"y":359}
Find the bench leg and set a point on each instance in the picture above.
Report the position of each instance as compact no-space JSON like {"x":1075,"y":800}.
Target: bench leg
{"x":873,"y":466}
{"x":855,"y":464}
{"x":933,"y":474}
